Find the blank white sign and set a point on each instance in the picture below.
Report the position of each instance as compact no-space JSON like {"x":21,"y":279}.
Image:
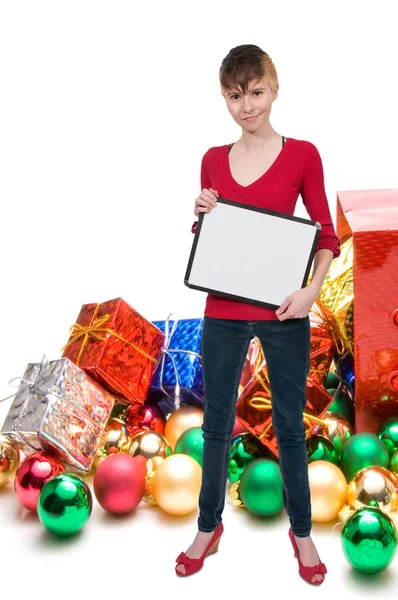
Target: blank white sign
{"x":251,"y":254}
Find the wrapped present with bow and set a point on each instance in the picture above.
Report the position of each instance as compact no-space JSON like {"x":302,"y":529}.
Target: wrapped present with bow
{"x":61,"y":409}
{"x":178,"y":376}
{"x":117,"y":347}
{"x":368,"y":220}
{"x":254,"y":408}
{"x":254,"y":362}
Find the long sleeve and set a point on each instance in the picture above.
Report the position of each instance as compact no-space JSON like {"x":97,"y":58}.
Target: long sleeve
{"x":204,"y":180}
{"x":315,"y":200}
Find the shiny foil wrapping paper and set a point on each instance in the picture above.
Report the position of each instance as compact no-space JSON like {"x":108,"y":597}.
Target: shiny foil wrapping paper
{"x":62,"y":410}
{"x":254,"y":362}
{"x":182,"y":364}
{"x":116,"y":346}
{"x":327,"y":339}
{"x":254,"y":408}
{"x":370,"y":219}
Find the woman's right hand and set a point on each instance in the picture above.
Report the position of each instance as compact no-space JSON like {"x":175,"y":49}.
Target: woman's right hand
{"x":206,"y":201}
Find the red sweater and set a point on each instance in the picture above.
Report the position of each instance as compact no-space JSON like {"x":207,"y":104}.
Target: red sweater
{"x":296,"y":170}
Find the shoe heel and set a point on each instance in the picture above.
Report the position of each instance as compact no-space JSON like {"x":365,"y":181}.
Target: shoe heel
{"x":214,"y":547}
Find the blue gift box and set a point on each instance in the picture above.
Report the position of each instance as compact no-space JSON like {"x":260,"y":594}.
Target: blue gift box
{"x":178,"y":375}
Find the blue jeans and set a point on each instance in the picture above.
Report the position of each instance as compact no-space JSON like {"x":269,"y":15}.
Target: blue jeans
{"x":286,"y":347}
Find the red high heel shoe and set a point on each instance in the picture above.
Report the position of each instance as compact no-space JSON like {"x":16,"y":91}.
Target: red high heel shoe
{"x":194,"y":564}
{"x":308,"y":573}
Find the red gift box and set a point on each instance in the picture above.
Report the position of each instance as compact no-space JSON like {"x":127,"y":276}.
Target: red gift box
{"x":117,"y":346}
{"x":371,"y":218}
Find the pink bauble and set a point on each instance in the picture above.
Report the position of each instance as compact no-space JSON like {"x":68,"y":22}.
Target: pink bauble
{"x":119,"y":483}
{"x":238,"y":428}
{"x":33,"y":472}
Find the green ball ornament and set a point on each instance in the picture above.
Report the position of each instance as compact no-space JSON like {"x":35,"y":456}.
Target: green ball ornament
{"x":332,"y":381}
{"x":245,"y":447}
{"x":191,"y":442}
{"x":65,"y":504}
{"x":394,"y":463}
{"x":319,"y":447}
{"x":388,"y":434}
{"x":260,"y":487}
{"x":343,"y":405}
{"x":360,"y":451}
{"x":369,"y":540}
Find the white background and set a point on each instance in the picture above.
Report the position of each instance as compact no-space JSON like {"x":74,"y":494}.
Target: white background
{"x":106,"y":109}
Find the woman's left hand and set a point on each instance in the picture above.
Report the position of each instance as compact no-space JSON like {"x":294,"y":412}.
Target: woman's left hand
{"x":298,"y":304}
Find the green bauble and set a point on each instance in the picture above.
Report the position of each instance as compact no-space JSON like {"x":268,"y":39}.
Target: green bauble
{"x":394,"y":463}
{"x":369,"y":540}
{"x":320,"y":447}
{"x":260,"y":487}
{"x":65,"y":504}
{"x":245,"y":447}
{"x":191,"y":442}
{"x":343,"y":405}
{"x":332,"y":381}
{"x":388,"y":433}
{"x":360,"y":451}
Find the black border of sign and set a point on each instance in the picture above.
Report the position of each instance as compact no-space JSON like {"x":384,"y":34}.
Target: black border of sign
{"x":256,"y":209}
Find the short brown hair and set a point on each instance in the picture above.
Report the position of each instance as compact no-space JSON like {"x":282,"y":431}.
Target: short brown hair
{"x":247,"y":63}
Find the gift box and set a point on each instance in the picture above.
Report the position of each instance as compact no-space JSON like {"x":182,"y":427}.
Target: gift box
{"x":369,"y":218}
{"x":254,"y":362}
{"x":116,"y":346}
{"x":59,"y":408}
{"x":177,"y":379}
{"x":254,"y":408}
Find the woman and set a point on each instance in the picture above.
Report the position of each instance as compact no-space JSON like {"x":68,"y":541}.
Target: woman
{"x":266,"y":170}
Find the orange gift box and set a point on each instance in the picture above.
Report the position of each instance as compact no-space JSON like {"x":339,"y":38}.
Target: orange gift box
{"x":116,"y":346}
{"x":254,"y":408}
{"x":370,"y":217}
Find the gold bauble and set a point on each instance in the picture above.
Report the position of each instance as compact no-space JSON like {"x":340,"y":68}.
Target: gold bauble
{"x":328,"y":489}
{"x":148,"y":496}
{"x":152,"y":445}
{"x":116,"y":438}
{"x":9,"y":460}
{"x":180,"y":420}
{"x":374,"y":486}
{"x":176,"y":484}
{"x":336,"y":428}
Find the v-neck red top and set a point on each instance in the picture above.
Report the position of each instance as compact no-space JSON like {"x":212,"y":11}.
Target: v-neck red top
{"x":296,"y":170}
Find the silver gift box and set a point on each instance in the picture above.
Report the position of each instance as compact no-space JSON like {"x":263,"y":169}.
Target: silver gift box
{"x":59,"y":408}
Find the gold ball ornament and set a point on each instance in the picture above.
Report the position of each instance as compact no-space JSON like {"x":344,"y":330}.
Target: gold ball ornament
{"x":153,"y":446}
{"x":336,"y":428}
{"x":176,"y":484}
{"x":328,"y":490}
{"x":180,"y":420}
{"x":374,"y":486}
{"x":116,"y":438}
{"x":9,"y":460}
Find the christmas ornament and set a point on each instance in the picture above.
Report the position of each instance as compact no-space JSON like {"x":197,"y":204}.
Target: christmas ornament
{"x":180,"y":420}
{"x":328,"y":489}
{"x":119,"y":483}
{"x":152,"y":446}
{"x":320,"y":447}
{"x":388,"y":433}
{"x":336,"y":428}
{"x":260,"y":487}
{"x":191,"y":442}
{"x":176,"y":484}
{"x":342,"y":404}
{"x":245,"y":447}
{"x":394,"y":463}
{"x":368,"y":539}
{"x":116,"y":439}
{"x":65,"y":504}
{"x":360,"y":451}
{"x":32,"y":474}
{"x":9,"y":459}
{"x":143,"y":418}
{"x":374,"y":486}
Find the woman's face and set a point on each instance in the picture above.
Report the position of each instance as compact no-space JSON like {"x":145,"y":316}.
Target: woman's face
{"x":256,"y":102}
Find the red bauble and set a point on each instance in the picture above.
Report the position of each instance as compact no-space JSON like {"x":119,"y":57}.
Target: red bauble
{"x":238,"y":428}
{"x":33,"y":472}
{"x":142,"y":417}
{"x":119,"y":483}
